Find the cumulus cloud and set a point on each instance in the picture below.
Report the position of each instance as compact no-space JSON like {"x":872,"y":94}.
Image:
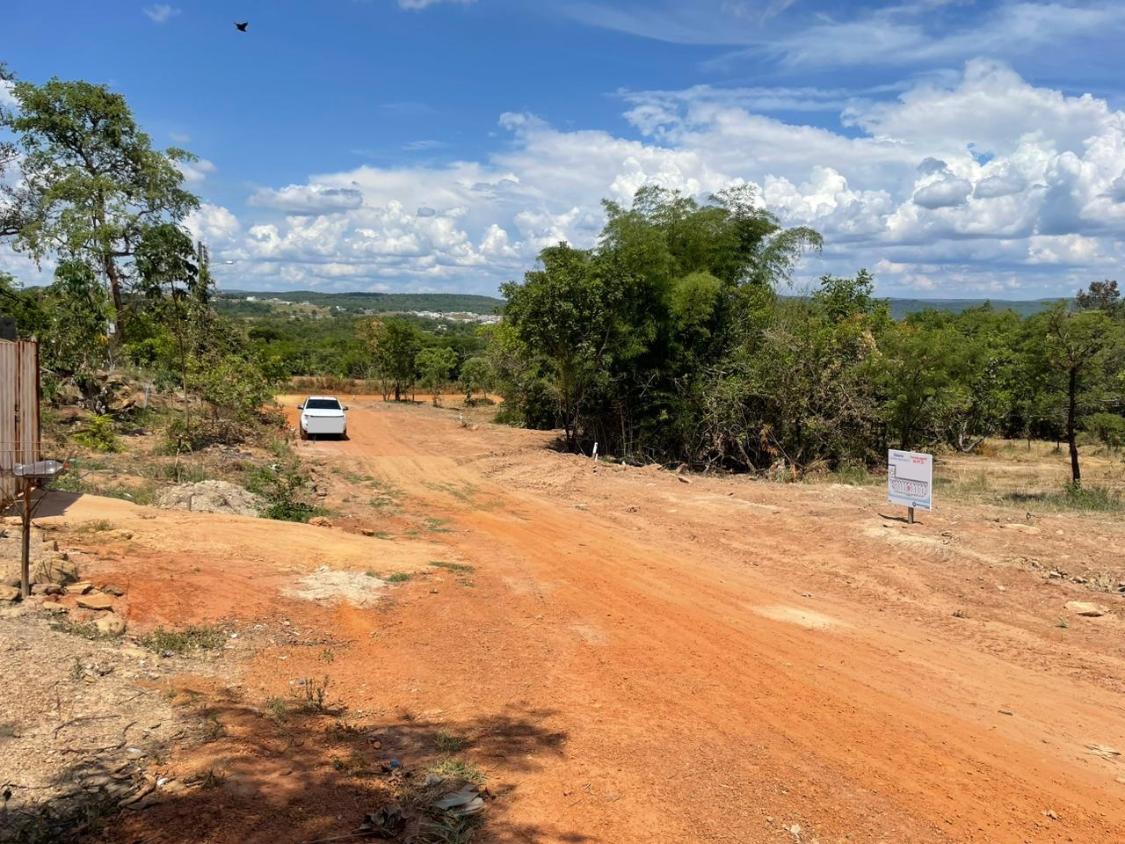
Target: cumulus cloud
{"x":308,"y":199}
{"x":214,"y":224}
{"x":1002,"y":181}
{"x":946,"y":192}
{"x":196,"y":171}
{"x":929,"y":185}
{"x":160,"y":13}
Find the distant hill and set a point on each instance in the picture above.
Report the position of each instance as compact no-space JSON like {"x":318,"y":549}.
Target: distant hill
{"x":248,"y":302}
{"x":1024,"y":307}
{"x":251,"y":303}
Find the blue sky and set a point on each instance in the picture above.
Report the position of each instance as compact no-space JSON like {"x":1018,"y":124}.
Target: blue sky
{"x":954,"y":148}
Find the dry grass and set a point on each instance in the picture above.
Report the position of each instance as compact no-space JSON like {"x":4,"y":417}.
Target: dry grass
{"x":1009,"y":472}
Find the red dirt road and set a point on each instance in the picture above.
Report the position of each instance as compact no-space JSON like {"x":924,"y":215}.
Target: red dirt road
{"x":722,"y":661}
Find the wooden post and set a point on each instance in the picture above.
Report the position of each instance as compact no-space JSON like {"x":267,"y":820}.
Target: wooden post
{"x":910,"y":515}
{"x":25,"y":560}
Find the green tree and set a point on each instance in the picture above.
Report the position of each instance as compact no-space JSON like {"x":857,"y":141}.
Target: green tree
{"x":565,"y":312}
{"x":435,"y":365}
{"x":1081,"y":346}
{"x":91,"y":184}
{"x":476,"y":377}
{"x":394,"y":345}
{"x":1101,"y":296}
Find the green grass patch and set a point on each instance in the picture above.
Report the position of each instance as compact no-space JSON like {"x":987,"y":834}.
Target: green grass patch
{"x":398,"y":577}
{"x":437,"y":525}
{"x":194,"y":638}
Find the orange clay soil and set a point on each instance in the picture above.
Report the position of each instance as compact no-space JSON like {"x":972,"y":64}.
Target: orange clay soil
{"x":633,"y":658}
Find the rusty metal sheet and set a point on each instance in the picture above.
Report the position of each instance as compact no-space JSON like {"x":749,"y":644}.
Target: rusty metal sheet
{"x":19,"y":411}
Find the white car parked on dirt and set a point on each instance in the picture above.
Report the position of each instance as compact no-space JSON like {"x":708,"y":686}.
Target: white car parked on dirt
{"x":323,"y":416}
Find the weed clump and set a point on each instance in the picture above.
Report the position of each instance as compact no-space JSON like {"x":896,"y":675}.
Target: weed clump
{"x":193,"y":638}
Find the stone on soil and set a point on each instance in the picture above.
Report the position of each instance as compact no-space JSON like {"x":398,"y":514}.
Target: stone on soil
{"x":211,"y":497}
{"x":95,"y":601}
{"x":1086,"y":608}
{"x":110,"y":625}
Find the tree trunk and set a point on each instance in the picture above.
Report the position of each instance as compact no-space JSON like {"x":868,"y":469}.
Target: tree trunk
{"x":115,"y":291}
{"x":398,"y":392}
{"x":1071,"y":425}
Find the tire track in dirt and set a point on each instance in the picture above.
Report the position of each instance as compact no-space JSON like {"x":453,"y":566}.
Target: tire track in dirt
{"x":692,"y":717}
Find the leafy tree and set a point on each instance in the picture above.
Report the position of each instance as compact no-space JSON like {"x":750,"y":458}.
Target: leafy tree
{"x":565,"y":312}
{"x":1080,"y":346}
{"x":11,"y":211}
{"x":91,"y":183}
{"x":1102,"y":296}
{"x":435,"y":365}
{"x":394,"y":345}
{"x":1108,"y":428}
{"x":74,"y":345}
{"x":476,"y":377}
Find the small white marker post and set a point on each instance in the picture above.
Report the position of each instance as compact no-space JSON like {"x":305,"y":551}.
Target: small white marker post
{"x":595,"y":455}
{"x":910,"y":476}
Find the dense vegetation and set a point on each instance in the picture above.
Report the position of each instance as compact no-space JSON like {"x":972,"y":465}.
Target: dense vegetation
{"x":669,"y":341}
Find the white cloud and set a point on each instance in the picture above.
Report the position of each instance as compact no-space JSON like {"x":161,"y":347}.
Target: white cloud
{"x":308,"y":199}
{"x":415,"y":5}
{"x":907,"y":33}
{"x":196,"y":171}
{"x":160,"y":13}
{"x":946,"y":192}
{"x":215,"y":225}
{"x":976,"y":184}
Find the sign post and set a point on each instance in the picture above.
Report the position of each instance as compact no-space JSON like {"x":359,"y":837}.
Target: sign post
{"x":910,"y":480}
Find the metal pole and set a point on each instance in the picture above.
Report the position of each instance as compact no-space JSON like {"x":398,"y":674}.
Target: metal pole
{"x":25,"y":561}
{"x":910,"y":515}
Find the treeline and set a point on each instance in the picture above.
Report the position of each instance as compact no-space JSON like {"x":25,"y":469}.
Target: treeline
{"x":668,"y":341}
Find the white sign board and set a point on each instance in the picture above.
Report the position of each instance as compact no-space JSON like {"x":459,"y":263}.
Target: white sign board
{"x":910,"y":479}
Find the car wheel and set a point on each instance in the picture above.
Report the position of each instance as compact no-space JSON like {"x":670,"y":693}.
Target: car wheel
{"x":304,"y":433}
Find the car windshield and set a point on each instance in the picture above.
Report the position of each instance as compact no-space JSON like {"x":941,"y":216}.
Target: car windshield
{"x":322,"y":404}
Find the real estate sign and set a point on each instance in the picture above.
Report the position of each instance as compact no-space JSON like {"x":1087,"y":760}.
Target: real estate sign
{"x":910,"y":479}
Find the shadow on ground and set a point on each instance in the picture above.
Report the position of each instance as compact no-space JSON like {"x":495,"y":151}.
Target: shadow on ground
{"x":293,"y":771}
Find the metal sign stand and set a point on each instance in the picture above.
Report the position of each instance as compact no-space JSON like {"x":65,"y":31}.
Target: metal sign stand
{"x":25,"y":558}
{"x":33,"y":476}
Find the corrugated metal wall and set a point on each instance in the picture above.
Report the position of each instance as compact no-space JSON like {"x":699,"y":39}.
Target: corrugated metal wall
{"x":19,"y":411}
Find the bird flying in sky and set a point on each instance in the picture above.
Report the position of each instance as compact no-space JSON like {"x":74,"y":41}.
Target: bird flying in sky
{"x":241,"y":27}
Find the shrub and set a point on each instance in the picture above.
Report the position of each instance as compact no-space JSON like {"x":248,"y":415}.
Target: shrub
{"x":99,"y":434}
{"x":285,"y":488}
{"x":1108,"y":428}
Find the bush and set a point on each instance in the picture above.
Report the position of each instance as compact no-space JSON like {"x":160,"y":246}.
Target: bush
{"x":1108,"y":428}
{"x":1095,"y":498}
{"x":285,"y":487}
{"x":99,"y":434}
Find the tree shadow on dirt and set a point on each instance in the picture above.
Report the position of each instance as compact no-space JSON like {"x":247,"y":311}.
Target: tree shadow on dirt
{"x":296,"y":771}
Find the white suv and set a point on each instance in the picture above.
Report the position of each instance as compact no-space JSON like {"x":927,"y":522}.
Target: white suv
{"x":323,"y":416}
